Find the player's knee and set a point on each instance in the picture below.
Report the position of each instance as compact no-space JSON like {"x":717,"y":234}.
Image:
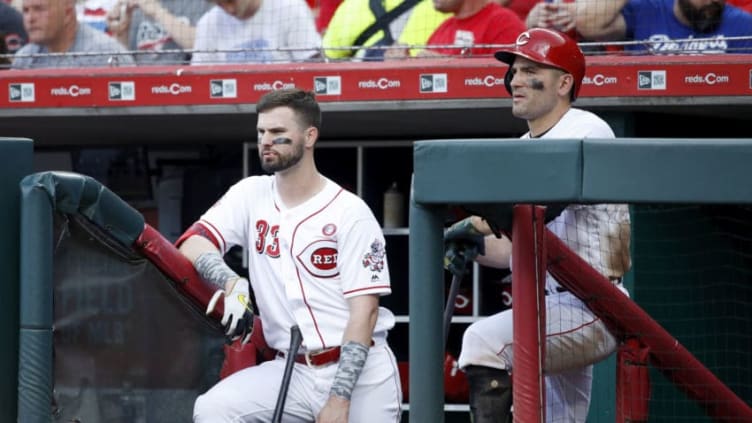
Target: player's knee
{"x":593,"y":343}
{"x":201,"y":412}
{"x":210,"y":407}
{"x":477,"y":351}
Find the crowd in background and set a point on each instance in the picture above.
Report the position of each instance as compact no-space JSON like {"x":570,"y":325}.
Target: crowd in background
{"x":72,"y":33}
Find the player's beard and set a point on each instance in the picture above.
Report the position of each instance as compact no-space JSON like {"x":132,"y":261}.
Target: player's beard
{"x":705,"y":19}
{"x":282,"y":162}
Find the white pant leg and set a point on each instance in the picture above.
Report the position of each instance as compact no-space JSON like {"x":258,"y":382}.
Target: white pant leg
{"x":488,"y":342}
{"x":575,"y":339}
{"x":250,"y":396}
{"x":568,"y":395}
{"x":377,"y":397}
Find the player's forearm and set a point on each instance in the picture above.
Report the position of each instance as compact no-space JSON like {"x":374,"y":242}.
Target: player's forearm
{"x":481,"y":225}
{"x":208,"y":262}
{"x":356,"y":342}
{"x":196,"y":245}
{"x":498,"y":252}
{"x":364,"y":311}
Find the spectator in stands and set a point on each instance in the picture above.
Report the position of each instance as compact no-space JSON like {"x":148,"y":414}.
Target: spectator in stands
{"x":149,"y":27}
{"x":745,"y":5}
{"x":560,"y":16}
{"x":553,"y":15}
{"x":520,"y":7}
{"x":679,"y":26}
{"x":94,"y":12}
{"x":409,"y":22}
{"x":325,"y":12}
{"x":53,"y":27}
{"x":256,"y":31}
{"x":4,"y":55}
{"x":475,"y":22}
{"x":12,"y":28}
{"x":15,"y":3}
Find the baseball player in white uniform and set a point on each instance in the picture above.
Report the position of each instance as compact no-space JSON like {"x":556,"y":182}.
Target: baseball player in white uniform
{"x":545,"y":73}
{"x":317,"y":259}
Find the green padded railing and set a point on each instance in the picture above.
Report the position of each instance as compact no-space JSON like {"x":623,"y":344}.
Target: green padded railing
{"x":42,"y":194}
{"x":625,"y":170}
{"x":17,"y":156}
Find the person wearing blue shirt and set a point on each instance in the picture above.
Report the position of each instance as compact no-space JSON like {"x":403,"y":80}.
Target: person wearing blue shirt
{"x":667,"y":26}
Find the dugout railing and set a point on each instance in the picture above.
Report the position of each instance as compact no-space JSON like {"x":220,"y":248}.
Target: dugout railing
{"x":110,"y":326}
{"x":446,"y":172}
{"x":634,"y":171}
{"x":17,"y":156}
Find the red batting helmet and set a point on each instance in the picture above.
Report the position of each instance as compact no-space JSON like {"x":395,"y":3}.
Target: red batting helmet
{"x":547,"y":47}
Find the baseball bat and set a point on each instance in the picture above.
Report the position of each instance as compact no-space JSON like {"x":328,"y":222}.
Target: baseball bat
{"x":296,"y":338}
{"x":454,"y":289}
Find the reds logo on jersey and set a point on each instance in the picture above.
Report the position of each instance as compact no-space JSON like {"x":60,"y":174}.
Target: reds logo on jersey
{"x":374,"y":259}
{"x":320,"y":258}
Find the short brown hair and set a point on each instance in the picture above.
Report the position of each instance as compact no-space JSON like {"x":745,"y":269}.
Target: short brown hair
{"x":302,"y":102}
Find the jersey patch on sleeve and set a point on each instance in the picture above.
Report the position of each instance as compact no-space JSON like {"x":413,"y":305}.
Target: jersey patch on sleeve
{"x":374,"y":259}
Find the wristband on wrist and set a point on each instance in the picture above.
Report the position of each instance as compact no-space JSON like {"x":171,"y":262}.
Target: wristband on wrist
{"x":213,"y":269}
{"x":352,"y":358}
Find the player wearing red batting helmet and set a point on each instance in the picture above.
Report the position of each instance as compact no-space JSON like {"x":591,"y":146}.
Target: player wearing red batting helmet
{"x":545,"y":73}
{"x":546,"y":47}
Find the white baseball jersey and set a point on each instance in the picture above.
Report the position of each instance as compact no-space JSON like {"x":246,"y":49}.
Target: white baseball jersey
{"x":575,"y":338}
{"x":598,"y":233}
{"x":304,"y":262}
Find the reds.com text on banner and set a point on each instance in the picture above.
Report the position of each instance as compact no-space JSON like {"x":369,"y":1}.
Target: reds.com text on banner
{"x":658,"y":76}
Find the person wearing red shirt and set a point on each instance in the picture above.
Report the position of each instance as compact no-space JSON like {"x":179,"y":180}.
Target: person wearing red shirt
{"x":475,"y":22}
{"x":520,"y":7}
{"x":326,"y":11}
{"x":323,"y":10}
{"x":745,"y":5}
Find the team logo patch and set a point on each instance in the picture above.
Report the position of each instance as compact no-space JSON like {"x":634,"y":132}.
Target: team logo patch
{"x":320,"y":258}
{"x":523,"y":39}
{"x":329,"y":229}
{"x":375,"y":259}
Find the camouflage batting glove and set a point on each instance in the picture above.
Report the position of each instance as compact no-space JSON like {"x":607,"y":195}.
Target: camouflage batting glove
{"x":465,"y":233}
{"x":458,"y":256}
{"x":463,"y":242}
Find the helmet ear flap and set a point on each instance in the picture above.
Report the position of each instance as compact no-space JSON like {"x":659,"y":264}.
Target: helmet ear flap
{"x":508,"y":80}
